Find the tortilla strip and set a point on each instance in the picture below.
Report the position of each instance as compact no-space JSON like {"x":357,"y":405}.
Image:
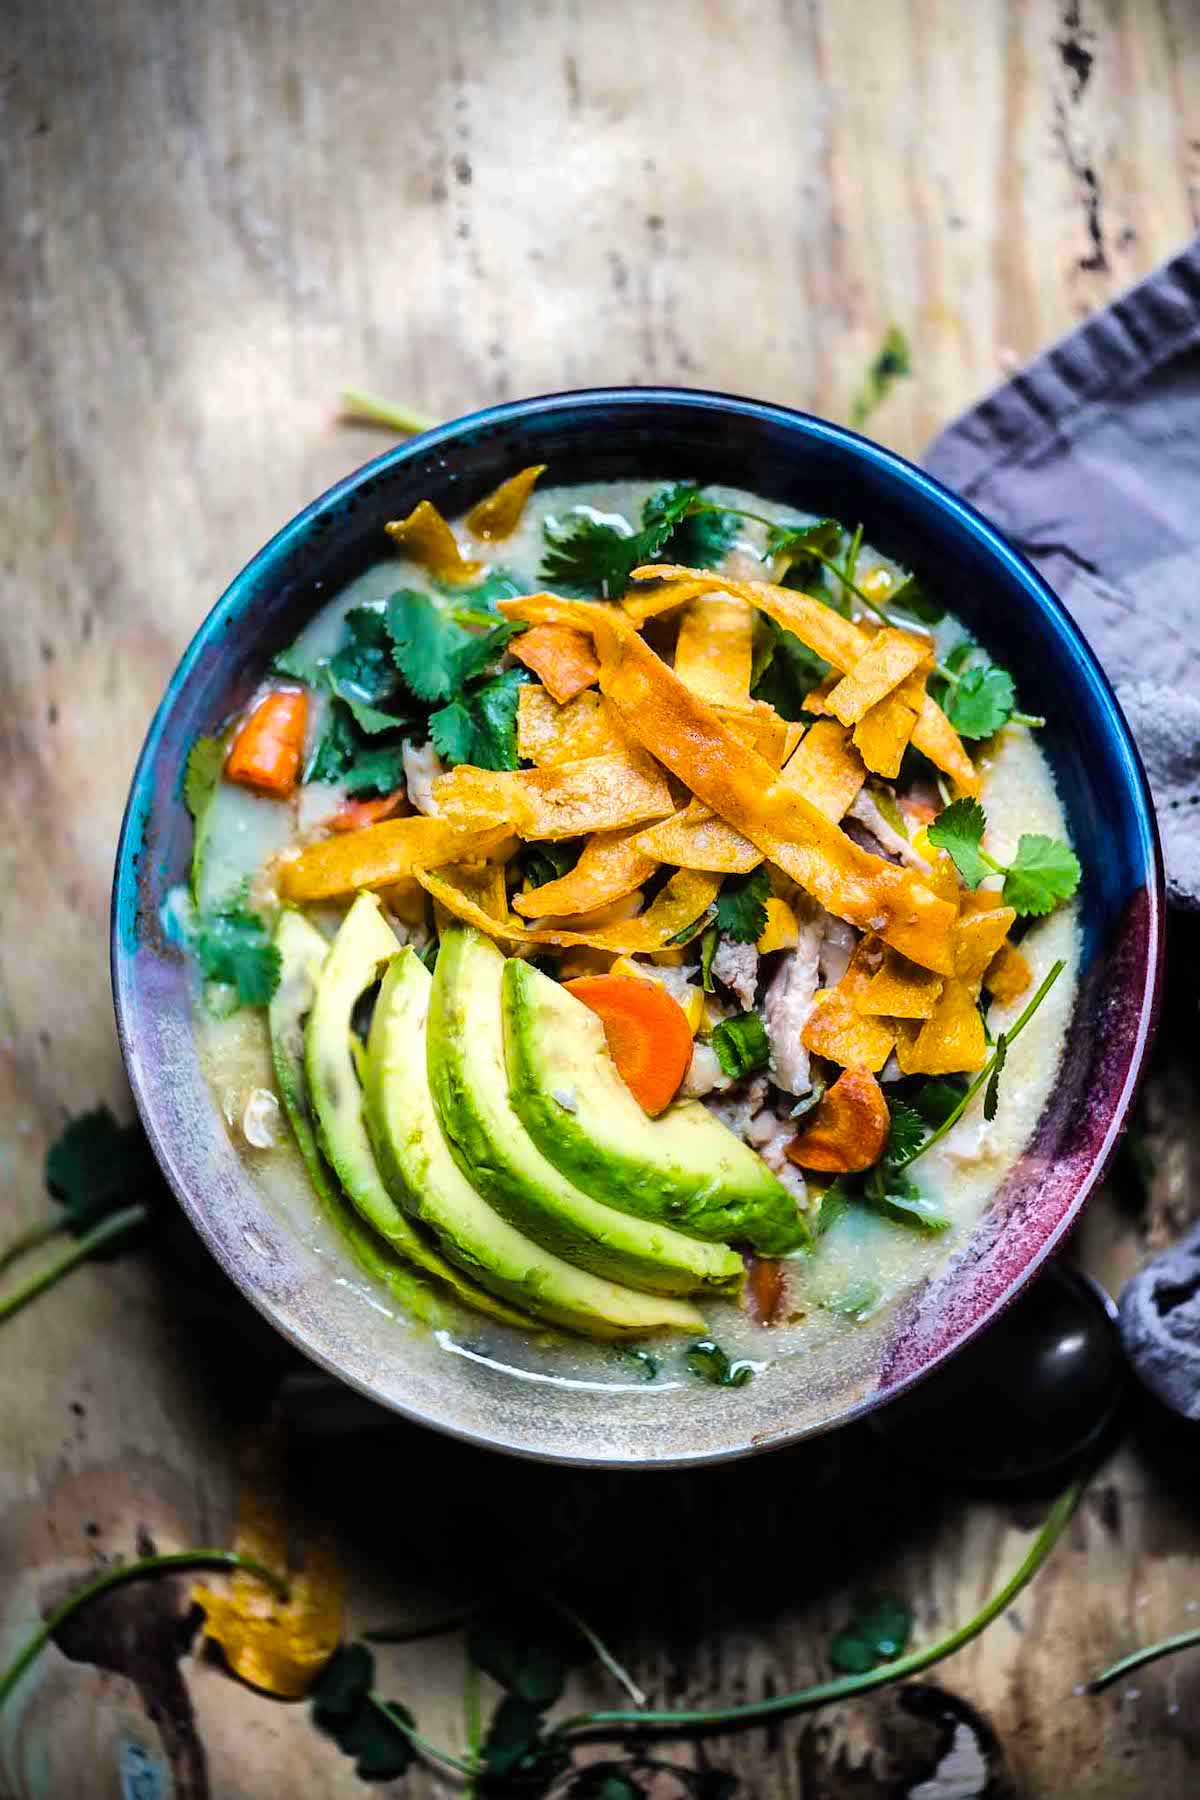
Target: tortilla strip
{"x":498,"y":514}
{"x":560,"y":656}
{"x":426,"y":537}
{"x":836,"y":1027}
{"x":834,"y":638}
{"x":1007,"y":975}
{"x":610,"y":865}
{"x":550,"y":733}
{"x":826,"y":768}
{"x":684,"y":902}
{"x":883,"y":734}
{"x":598,"y":793}
{"x":379,"y":856}
{"x":696,"y":839}
{"x":817,"y":699}
{"x":740,"y":786}
{"x":900,"y":990}
{"x":649,"y":602}
{"x":950,"y":1042}
{"x":764,"y":730}
{"x":713,"y":651}
{"x":892,"y":656}
{"x":983,"y":925}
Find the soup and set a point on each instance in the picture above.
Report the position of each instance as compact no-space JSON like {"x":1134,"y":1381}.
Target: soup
{"x":639,"y":920}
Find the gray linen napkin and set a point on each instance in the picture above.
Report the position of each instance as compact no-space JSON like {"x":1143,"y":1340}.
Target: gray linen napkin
{"x":1089,"y":461}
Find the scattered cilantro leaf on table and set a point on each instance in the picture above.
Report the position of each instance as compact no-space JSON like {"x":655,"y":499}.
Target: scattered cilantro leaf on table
{"x":344,"y":1707}
{"x":1044,"y":871}
{"x":891,"y":362}
{"x":95,"y":1165}
{"x":878,"y":1632}
{"x":741,"y":1045}
{"x":742,"y":905}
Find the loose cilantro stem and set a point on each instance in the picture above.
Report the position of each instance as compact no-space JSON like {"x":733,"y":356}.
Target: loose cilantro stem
{"x":117,"y":1225}
{"x":417,"y":1741}
{"x":133,"y":1571}
{"x":365,"y":409}
{"x":825,"y":1692}
{"x":602,"y":1652}
{"x":1186,"y":1640}
{"x":29,"y":1240}
{"x":984,"y":1074}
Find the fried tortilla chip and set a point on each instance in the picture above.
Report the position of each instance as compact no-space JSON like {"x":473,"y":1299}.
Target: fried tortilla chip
{"x":826,"y":768}
{"x":837,"y":1029}
{"x":950,"y":1042}
{"x":837,"y":640}
{"x":743,"y":789}
{"x":684,"y":905}
{"x":561,"y":800}
{"x":900,"y":990}
{"x":498,"y":514}
{"x":550,"y":733}
{"x":883,"y":734}
{"x":560,"y":656}
{"x":713,"y":652}
{"x":762,"y":728}
{"x":379,"y":856}
{"x":610,"y":865}
{"x":889,"y":658}
{"x":983,"y":925}
{"x":426,"y":537}
{"x":1007,"y":975}
{"x":696,"y":839}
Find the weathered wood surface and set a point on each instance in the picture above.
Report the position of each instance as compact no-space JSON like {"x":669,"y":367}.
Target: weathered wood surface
{"x":214,"y":217}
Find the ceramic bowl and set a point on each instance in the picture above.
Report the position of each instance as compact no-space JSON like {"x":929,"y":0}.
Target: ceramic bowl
{"x":306,"y":1286}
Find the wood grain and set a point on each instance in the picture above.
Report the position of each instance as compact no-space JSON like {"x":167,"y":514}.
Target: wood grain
{"x":214,"y":218}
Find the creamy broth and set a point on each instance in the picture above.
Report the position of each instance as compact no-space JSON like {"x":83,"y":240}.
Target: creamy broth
{"x":865,"y":1261}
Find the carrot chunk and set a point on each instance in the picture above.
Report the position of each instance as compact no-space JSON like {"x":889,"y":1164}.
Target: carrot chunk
{"x":648,"y":1034}
{"x":848,"y":1128}
{"x":352,"y":815}
{"x":266,"y":752}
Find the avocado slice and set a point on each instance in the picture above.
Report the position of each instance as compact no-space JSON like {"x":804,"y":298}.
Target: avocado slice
{"x":302,"y":951}
{"x":359,"y":951}
{"x":419,"y":1170}
{"x":469,"y":1079}
{"x":684,"y":1168}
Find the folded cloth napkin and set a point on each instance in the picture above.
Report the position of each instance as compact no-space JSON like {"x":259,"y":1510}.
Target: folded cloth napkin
{"x":1089,"y":461}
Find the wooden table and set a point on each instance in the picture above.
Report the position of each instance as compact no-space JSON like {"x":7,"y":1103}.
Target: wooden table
{"x":217,"y":216}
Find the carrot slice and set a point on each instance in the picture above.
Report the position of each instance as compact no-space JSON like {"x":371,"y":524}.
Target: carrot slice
{"x":848,"y":1128}
{"x":648,"y":1035}
{"x":266,"y":752}
{"x":354,"y":814}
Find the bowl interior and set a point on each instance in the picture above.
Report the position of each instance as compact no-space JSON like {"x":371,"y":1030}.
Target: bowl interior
{"x":308,"y":1287}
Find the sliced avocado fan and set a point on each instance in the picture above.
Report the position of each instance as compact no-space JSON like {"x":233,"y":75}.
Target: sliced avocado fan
{"x":361,"y":948}
{"x":302,"y":951}
{"x":419,"y":1170}
{"x":684,"y":1168}
{"x":468,"y":1076}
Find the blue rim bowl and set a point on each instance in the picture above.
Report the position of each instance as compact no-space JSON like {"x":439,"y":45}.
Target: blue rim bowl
{"x":305,"y":1284}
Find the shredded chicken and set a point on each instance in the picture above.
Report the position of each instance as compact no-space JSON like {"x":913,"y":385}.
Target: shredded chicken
{"x":705,"y":1074}
{"x":421,"y":769}
{"x":770,"y":1135}
{"x":789,"y":1001}
{"x":737,"y":1111}
{"x":737,"y":966}
{"x":837,"y":947}
{"x":866,"y":811}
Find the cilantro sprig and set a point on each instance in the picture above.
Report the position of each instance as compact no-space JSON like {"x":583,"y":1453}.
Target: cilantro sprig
{"x":586,"y":555}
{"x":742,"y":905}
{"x":1043,"y":873}
{"x":234,"y":952}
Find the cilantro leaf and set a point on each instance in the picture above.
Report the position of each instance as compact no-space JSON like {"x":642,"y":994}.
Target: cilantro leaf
{"x":786,"y":671}
{"x":425,"y":644}
{"x":376,"y":771}
{"x":857,"y":1302}
{"x":452,"y":729}
{"x":891,"y":362}
{"x":708,"y":949}
{"x":742,"y":905}
{"x":232,"y":947}
{"x":497,"y":584}
{"x":707,"y":1359}
{"x":981,"y":702}
{"x":877,"y":1633}
{"x":201,"y":779}
{"x":906,"y":1134}
{"x":362,"y":673}
{"x":495,"y":708}
{"x":1043,"y":872}
{"x":796,"y":542}
{"x":741,"y":1045}
{"x":548,"y":861}
{"x":295,"y":663}
{"x":367,"y":1731}
{"x":585,"y":555}
{"x":95,"y":1166}
{"x":519,"y":1751}
{"x":530,"y":1653}
{"x":959,"y":831}
{"x":482,"y":649}
{"x":991,"y":1096}
{"x":935,"y":1100}
{"x":605,"y":1781}
{"x":914,"y":598}
{"x":835,"y":1201}
{"x":899,"y":1199}
{"x":337,"y":746}
{"x":701,"y":539}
